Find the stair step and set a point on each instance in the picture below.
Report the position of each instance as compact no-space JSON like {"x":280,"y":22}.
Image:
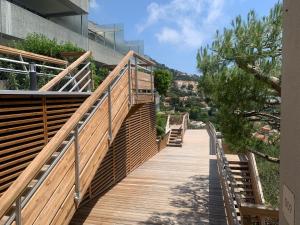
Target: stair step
{"x":239,"y":177}
{"x":243,"y":190}
{"x":241,"y":172}
{"x":238,"y":162}
{"x":239,"y":183}
{"x":239,"y":167}
{"x":174,"y":145}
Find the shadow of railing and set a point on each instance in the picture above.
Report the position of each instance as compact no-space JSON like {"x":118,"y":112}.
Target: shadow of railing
{"x":198,"y":202}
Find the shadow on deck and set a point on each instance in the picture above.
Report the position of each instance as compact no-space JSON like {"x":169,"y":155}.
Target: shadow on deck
{"x":178,"y":186}
{"x":199,"y":201}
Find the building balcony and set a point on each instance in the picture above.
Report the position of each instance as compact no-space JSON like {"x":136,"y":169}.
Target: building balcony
{"x":17,"y":23}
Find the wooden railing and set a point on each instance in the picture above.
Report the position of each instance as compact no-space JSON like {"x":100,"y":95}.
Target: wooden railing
{"x":184,"y":124}
{"x":29,"y":55}
{"x":88,"y":132}
{"x":238,"y":211}
{"x":167,"y":129}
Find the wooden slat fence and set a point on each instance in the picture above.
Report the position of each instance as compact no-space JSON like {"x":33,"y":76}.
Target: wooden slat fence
{"x":27,"y":124}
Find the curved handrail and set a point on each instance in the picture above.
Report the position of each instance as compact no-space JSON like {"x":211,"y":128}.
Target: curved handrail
{"x":65,"y":72}
{"x":12,"y":51}
{"x":18,"y":187}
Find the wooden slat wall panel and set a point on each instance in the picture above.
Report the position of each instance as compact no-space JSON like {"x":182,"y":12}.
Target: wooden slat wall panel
{"x":26,"y":126}
{"x":134,"y":144}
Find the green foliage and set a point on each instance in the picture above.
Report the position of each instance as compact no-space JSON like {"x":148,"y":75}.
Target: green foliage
{"x":40,"y":44}
{"x":241,"y":80}
{"x":162,"y":81}
{"x":161,"y":121}
{"x":99,"y":74}
{"x":241,"y":74}
{"x":269,"y":176}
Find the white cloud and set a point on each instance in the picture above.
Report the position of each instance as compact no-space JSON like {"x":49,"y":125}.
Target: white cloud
{"x":185,"y":22}
{"x":168,"y":35}
{"x":215,"y":11}
{"x":94,"y":4}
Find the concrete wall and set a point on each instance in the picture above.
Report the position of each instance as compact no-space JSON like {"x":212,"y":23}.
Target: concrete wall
{"x":104,"y":54}
{"x":83,"y":4}
{"x":17,"y":22}
{"x":290,"y":125}
{"x":77,"y":23}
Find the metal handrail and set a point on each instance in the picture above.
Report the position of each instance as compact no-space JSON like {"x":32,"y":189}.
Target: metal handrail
{"x":74,"y":77}
{"x":15,"y":191}
{"x":30,"y":70}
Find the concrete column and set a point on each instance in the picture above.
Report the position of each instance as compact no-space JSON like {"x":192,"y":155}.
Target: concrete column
{"x":290,"y":124}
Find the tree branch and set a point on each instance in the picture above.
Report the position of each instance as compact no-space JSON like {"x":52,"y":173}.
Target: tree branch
{"x":271,"y":81}
{"x":265,"y":156}
{"x":254,"y":113}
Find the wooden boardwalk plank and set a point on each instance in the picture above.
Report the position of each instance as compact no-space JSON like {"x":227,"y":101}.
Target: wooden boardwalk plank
{"x":176,"y":186}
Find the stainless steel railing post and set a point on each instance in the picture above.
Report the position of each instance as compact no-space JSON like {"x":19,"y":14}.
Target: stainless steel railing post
{"x":129,"y":83}
{"x":109,"y":114}
{"x":77,"y":169}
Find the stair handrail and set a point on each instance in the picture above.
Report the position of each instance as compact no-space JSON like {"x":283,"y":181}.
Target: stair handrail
{"x":66,"y":72}
{"x":225,"y":172}
{"x":29,"y":55}
{"x":258,"y":191}
{"x":184,"y":124}
{"x":20,"y":184}
{"x":185,"y":120}
{"x":246,"y":209}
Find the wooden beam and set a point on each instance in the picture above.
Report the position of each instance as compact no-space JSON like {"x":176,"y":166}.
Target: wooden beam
{"x":12,"y":51}
{"x":248,"y":209}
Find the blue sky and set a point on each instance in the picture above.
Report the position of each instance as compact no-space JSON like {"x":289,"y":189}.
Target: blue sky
{"x":173,"y":30}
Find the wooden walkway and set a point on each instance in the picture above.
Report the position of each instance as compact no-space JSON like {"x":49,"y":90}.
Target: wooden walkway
{"x":178,"y":186}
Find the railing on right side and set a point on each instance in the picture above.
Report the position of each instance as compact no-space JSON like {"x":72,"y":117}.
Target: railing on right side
{"x":240,"y":212}
{"x":168,"y":124}
{"x":226,"y":178}
{"x":184,"y":124}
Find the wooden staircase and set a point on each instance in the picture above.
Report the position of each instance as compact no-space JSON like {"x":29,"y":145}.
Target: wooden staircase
{"x":242,"y":191}
{"x":239,"y":166}
{"x":51,"y":187}
{"x":175,"y":138}
{"x":177,"y":127}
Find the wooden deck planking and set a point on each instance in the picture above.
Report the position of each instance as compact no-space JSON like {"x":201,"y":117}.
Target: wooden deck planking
{"x":176,"y":186}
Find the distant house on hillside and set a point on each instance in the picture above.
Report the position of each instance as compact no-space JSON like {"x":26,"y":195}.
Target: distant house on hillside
{"x":186,"y":84}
